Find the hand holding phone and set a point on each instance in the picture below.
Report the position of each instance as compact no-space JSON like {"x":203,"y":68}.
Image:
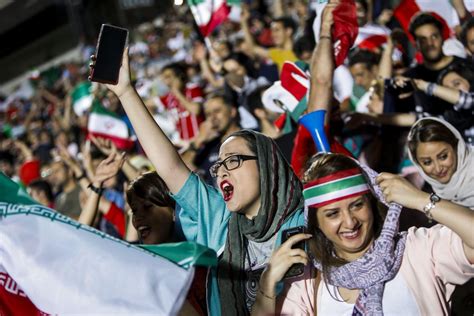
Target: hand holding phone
{"x":298,"y":268}
{"x":108,"y":56}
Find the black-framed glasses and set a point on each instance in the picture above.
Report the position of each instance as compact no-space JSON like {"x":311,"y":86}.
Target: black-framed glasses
{"x":230,"y":163}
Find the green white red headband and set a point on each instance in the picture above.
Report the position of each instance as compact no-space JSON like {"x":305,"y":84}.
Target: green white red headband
{"x":335,"y":187}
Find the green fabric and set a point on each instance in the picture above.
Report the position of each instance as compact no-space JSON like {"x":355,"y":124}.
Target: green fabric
{"x":281,"y":196}
{"x":14,"y":193}
{"x":81,"y":90}
{"x":334,"y":186}
{"x":185,"y":253}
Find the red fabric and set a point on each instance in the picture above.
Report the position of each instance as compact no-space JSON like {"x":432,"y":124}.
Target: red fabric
{"x":334,"y":176}
{"x":289,"y":74}
{"x":29,"y":171}
{"x":197,"y":293}
{"x":373,"y":42}
{"x":116,"y":216}
{"x":13,"y":301}
{"x":345,"y":30}
{"x":304,"y":148}
{"x":407,"y":9}
{"x":188,"y":123}
{"x":404,"y":13}
{"x":217,"y":17}
{"x":280,"y":121}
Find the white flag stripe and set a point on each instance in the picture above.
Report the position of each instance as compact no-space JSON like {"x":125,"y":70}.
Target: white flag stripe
{"x":108,"y":125}
{"x":337,"y":194}
{"x":68,"y":269}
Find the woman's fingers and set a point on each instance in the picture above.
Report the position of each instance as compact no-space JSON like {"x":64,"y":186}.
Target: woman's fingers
{"x":294,"y":240}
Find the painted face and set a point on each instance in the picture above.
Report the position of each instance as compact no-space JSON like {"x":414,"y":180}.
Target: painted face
{"x":455,"y":81}
{"x":240,"y":187}
{"x":470,"y":41}
{"x":153,"y":223}
{"x":219,"y":114}
{"x":348,"y":224}
{"x":362,"y":75}
{"x":437,"y":159}
{"x":429,"y":42}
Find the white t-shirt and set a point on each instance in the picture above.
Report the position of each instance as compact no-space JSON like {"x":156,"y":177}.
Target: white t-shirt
{"x":397,"y":300}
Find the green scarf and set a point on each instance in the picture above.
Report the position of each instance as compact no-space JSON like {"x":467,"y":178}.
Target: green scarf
{"x":281,"y":196}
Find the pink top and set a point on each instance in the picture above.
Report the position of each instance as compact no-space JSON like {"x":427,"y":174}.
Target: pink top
{"x":433,"y":263}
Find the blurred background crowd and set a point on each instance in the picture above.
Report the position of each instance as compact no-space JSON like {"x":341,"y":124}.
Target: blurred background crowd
{"x":200,"y":90}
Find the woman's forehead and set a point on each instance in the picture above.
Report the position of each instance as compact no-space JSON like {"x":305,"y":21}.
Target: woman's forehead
{"x":233,"y":145}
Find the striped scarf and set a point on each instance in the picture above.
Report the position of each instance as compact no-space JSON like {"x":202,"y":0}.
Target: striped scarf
{"x":382,"y":261}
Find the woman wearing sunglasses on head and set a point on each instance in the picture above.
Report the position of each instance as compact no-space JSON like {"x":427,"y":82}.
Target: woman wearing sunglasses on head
{"x":258,"y":196}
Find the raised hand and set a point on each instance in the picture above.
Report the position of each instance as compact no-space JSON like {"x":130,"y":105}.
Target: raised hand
{"x":68,"y":160}
{"x":399,"y":190}
{"x":108,"y":167}
{"x":124,"y":83}
{"x":106,"y":146}
{"x":281,"y":261}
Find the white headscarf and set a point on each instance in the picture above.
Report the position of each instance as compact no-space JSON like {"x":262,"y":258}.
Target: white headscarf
{"x":460,"y":188}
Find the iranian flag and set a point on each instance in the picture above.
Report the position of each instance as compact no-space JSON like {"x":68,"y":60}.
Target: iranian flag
{"x":82,"y":97}
{"x":210,"y":13}
{"x":107,"y":124}
{"x":51,"y":264}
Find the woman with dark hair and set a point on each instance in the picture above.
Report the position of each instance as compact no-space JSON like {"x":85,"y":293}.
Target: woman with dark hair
{"x":367,"y":266}
{"x":257,"y":196}
{"x":443,"y":159}
{"x":152,"y":209}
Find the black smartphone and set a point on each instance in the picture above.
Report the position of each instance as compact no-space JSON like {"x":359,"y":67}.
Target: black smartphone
{"x":298,"y":268}
{"x":108,"y":54}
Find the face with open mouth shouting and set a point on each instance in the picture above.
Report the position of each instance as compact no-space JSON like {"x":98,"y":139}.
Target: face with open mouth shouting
{"x":348,"y":224}
{"x":153,"y":223}
{"x":238,"y":177}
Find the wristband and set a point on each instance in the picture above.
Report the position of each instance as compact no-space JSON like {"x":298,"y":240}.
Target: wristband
{"x":325,"y":36}
{"x":82,"y":176}
{"x":430,"y":89}
{"x":95,"y":189}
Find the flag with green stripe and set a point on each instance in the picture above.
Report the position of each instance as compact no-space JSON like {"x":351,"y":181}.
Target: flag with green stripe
{"x":52,"y":264}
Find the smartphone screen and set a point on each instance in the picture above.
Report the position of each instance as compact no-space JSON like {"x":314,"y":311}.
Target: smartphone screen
{"x":109,"y":51}
{"x":298,"y":268}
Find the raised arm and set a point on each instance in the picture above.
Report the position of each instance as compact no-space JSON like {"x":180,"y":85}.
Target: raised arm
{"x":253,"y":48}
{"x":159,"y":149}
{"x":105,"y":170}
{"x":322,"y":65}
{"x":458,"y":218}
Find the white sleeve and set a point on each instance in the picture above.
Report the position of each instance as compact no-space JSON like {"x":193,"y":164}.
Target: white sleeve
{"x":343,"y":83}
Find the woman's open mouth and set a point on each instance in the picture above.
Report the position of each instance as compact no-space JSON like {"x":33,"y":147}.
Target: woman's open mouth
{"x":353,"y":234}
{"x":227,"y":190}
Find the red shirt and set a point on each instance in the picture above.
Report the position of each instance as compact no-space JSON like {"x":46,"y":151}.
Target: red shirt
{"x":188,"y":123}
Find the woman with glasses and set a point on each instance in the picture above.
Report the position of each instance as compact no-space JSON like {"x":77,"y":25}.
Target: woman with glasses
{"x":257,"y":196}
